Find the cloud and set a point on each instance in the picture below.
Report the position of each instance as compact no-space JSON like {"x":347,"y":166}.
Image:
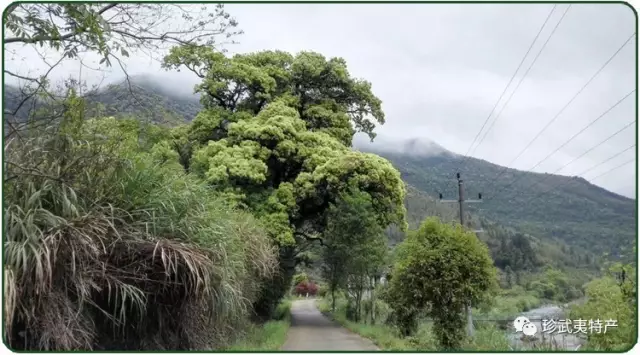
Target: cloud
{"x":439,"y":69}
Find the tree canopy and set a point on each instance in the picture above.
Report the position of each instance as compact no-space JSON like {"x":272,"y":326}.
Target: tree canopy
{"x":439,"y":270}
{"x":321,"y":90}
{"x":276,"y":132}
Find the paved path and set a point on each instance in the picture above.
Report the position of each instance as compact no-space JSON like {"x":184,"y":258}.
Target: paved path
{"x":310,"y":330}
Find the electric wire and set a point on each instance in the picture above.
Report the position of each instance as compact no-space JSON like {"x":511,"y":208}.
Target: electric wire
{"x":567,"y":164}
{"x":588,"y":170}
{"x":535,"y":39}
{"x":521,"y":80}
{"x":564,"y":107}
{"x":569,"y":140}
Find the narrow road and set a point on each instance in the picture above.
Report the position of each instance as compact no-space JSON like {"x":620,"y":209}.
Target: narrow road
{"x":310,"y":330}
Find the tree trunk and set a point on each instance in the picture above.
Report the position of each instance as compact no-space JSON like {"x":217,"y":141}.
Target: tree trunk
{"x":373,"y":301}
{"x":333,"y":299}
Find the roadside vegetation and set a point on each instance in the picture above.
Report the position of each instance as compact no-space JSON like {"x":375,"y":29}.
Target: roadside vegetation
{"x":269,"y":336}
{"x":139,"y":231}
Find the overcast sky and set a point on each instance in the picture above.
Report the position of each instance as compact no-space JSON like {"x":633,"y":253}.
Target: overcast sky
{"x":439,"y":70}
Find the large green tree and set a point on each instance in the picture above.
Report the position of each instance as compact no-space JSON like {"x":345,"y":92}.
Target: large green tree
{"x":275,"y":135}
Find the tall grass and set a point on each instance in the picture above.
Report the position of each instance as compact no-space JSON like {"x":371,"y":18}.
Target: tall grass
{"x":269,"y":336}
{"x":110,"y":245}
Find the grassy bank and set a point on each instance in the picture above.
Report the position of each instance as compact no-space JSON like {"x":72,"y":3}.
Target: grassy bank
{"x":269,"y":336}
{"x":386,"y":337}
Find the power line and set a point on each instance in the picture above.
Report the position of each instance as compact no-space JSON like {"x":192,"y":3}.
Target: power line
{"x":509,"y":83}
{"x":612,"y":169}
{"x":585,"y":128}
{"x":564,"y":107}
{"x":588,"y":170}
{"x":522,"y":78}
{"x":585,"y":153}
{"x":569,"y":140}
{"x":573,"y":160}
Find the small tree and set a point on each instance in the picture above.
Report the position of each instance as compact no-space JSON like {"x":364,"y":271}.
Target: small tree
{"x":439,"y":269}
{"x":355,"y":247}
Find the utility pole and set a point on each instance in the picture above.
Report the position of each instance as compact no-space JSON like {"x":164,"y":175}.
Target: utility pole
{"x":461,"y":201}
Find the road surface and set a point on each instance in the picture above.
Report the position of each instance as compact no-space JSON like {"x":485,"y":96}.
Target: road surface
{"x":310,"y":330}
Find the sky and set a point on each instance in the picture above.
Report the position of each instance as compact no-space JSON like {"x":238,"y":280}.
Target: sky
{"x":439,"y":69}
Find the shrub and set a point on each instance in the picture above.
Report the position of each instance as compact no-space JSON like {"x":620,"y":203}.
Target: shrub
{"x":283,"y":310}
{"x":322,"y":290}
{"x":109,"y":247}
{"x":304,"y":288}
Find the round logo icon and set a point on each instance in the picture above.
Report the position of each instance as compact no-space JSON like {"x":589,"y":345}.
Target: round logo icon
{"x":529,"y":329}
{"x":519,"y":322}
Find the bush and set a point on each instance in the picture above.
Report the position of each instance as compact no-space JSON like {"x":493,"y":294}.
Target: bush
{"x":322,"y":290}
{"x":306,"y":288}
{"x":283,"y":310}
{"x":110,"y":247}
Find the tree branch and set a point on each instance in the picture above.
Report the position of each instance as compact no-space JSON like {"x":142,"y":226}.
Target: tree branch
{"x":310,"y":238}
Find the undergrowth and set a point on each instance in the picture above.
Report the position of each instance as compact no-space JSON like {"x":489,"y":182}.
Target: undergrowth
{"x":387,"y":337}
{"x":109,"y":245}
{"x":269,"y":336}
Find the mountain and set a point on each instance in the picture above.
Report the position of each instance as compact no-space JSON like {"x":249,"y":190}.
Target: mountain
{"x":140,"y":96}
{"x":551,"y":207}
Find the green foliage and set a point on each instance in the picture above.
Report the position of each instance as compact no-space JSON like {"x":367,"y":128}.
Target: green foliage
{"x":355,"y":248}
{"x":520,"y":257}
{"x":611,"y":298}
{"x":300,"y":277}
{"x":283,"y":310}
{"x":111,"y":199}
{"x":274,"y":137}
{"x":322,"y":91}
{"x":555,"y":285}
{"x":269,"y":336}
{"x":440,"y":269}
{"x":288,"y":175}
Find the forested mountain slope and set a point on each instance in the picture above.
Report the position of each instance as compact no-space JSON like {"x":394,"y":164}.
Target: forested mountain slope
{"x":509,"y":247}
{"x":567,"y":209}
{"x":139,"y":96}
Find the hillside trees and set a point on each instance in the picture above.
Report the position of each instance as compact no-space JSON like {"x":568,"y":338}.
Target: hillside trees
{"x":439,"y":269}
{"x":275,"y":136}
{"x":611,"y":297}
